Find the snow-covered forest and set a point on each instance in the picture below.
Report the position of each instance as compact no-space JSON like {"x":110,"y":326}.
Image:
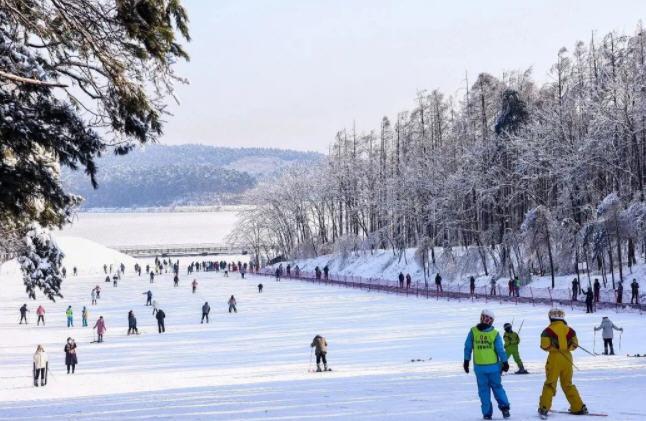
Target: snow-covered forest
{"x":524,"y":177}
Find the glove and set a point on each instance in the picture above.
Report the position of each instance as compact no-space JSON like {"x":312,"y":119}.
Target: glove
{"x":505,"y":366}
{"x":466,"y":366}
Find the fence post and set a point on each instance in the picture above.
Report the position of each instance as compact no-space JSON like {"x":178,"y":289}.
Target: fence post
{"x":485,"y":294}
{"x":500,"y":294}
{"x":531,"y":291}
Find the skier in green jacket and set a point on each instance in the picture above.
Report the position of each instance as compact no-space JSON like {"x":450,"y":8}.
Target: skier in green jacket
{"x":512,"y":340}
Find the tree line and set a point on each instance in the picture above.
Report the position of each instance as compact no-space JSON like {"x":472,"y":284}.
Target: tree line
{"x":510,"y":177}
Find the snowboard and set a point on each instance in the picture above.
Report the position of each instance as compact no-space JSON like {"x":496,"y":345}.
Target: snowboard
{"x":589,"y":414}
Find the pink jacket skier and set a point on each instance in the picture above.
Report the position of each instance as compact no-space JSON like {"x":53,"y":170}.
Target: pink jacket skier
{"x":100,"y":328}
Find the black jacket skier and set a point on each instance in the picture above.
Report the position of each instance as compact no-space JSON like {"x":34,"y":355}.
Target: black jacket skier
{"x":160,"y":316}
{"x":206,"y":309}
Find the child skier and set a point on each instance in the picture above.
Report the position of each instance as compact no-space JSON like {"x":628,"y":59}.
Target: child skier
{"x":489,"y":360}
{"x":559,"y":340}
{"x":232,"y":304}
{"x":84,"y":315}
{"x":194,"y":285}
{"x":40,"y":366}
{"x":70,"y":316}
{"x":320,"y":350}
{"x":512,"y":341}
{"x":40,"y":312}
{"x":607,"y":327}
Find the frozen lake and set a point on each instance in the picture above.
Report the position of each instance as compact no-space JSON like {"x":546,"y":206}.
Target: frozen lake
{"x":152,"y":228}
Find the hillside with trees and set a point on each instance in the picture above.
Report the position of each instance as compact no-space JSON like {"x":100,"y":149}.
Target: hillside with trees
{"x":524,"y":178}
{"x":160,"y":175}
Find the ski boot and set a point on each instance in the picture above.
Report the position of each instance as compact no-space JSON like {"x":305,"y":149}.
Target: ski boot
{"x":35,"y":382}
{"x":542,"y":412}
{"x":505,"y":413}
{"x":521,"y":370}
{"x":325,"y":367}
{"x":486,"y":417}
{"x":582,"y":411}
{"x":318,"y":368}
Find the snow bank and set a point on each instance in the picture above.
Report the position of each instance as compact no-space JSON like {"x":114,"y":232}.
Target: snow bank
{"x":88,"y":256}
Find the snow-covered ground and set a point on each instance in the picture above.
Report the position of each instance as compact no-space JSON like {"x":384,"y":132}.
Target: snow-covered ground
{"x":254,"y":364}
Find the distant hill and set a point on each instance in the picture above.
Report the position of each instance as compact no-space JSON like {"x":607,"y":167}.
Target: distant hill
{"x":161,"y":175}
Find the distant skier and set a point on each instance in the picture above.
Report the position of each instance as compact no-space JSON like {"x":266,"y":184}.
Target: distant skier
{"x":100,"y":329}
{"x":438,"y":283}
{"x":232,"y":304}
{"x":149,"y":297}
{"x":326,"y":272}
{"x":115,"y":278}
{"x":620,"y":292}
{"x":517,"y":286}
{"x":107,"y":278}
{"x":260,"y":288}
{"x":634,"y":292}
{"x":409,"y":281}
{"x":297,"y":271}
{"x":70,"y":355}
{"x":472,"y":285}
{"x":607,"y":328}
{"x":242,"y":272}
{"x":176,"y":281}
{"x":76,"y":272}
{"x":70,"y":316}
{"x":64,"y":271}
{"x":597,"y":290}
{"x":93,"y":296}
{"x":512,"y":342}
{"x":589,"y":300}
{"x":401,"y":280}
{"x":320,"y":350}
{"x":206,"y":309}
{"x":40,"y":312}
{"x":41,"y":366}
{"x":289,"y":270}
{"x":152,"y":277}
{"x":132,"y":323}
{"x":98,"y":292}
{"x":23,"y":314}
{"x":317,"y":273}
{"x":277,"y":274}
{"x":559,"y":340}
{"x":160,"y":320}
{"x":194,"y":285}
{"x":84,"y":316}
{"x":492,"y":284}
{"x":575,"y":289}
{"x":105,"y":269}
{"x":489,"y":360}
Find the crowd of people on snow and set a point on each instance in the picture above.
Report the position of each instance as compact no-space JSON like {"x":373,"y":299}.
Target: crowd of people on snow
{"x":40,"y":359}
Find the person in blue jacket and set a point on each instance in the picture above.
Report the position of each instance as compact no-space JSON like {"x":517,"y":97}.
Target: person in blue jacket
{"x":489,"y":361}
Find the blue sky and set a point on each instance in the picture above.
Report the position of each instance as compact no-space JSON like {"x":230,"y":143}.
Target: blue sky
{"x":289,"y":73}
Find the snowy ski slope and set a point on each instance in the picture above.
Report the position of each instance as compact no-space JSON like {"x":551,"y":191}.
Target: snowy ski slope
{"x":254,"y":365}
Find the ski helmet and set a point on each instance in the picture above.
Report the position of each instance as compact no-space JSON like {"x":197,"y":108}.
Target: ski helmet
{"x":507,"y":326}
{"x":487,"y":317}
{"x":556,"y":314}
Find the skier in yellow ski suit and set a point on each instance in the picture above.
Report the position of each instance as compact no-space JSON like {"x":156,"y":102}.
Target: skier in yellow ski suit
{"x":558,"y":339}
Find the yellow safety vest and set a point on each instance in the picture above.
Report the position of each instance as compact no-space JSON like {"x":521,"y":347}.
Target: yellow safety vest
{"x":484,"y":352}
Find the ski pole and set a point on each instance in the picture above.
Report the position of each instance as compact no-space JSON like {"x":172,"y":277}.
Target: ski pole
{"x":569,"y":359}
{"x":521,"y":326}
{"x":585,"y":350}
{"x":594,"y":343}
{"x":620,"y":333}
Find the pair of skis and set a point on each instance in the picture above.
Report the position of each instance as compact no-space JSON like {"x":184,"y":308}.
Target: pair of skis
{"x":589,"y":414}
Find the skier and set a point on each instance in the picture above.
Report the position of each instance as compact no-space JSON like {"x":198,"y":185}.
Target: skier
{"x":75,"y":271}
{"x":409,"y":281}
{"x":489,"y":360}
{"x":132,"y":323}
{"x":510,"y":287}
{"x":149,"y":297}
{"x":607,"y":327}
{"x":206,"y":309}
{"x":589,"y":299}
{"x":107,"y":278}
{"x":152,"y":277}
{"x":634,"y":290}
{"x":41,"y":366}
{"x":277,"y":274}
{"x":259,"y":288}
{"x":175,"y":280}
{"x":93,"y":296}
{"x":575,"y":289}
{"x":326,"y":272}
{"x":472,"y":285}
{"x":297,"y":271}
{"x":597,"y":290}
{"x":242,"y":272}
{"x":512,"y":341}
{"x":232,"y":304}
{"x":70,"y":316}
{"x":517,"y":286}
{"x":84,"y":315}
{"x":115,"y":278}
{"x":100,"y":329}
{"x":40,"y":312}
{"x":317,"y":273}
{"x":98,"y":292}
{"x":320,"y":350}
{"x":160,"y":320}
{"x":289,"y":270}
{"x":493,"y":286}
{"x":559,"y":340}
{"x":70,"y":355}
{"x":105,"y":269}
{"x":620,"y":292}
{"x":438,"y":283}
{"x":23,"y":314}
{"x":401,"y":280}
{"x":64,"y":271}
{"x":155,"y":307}
{"x":194,"y":285}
